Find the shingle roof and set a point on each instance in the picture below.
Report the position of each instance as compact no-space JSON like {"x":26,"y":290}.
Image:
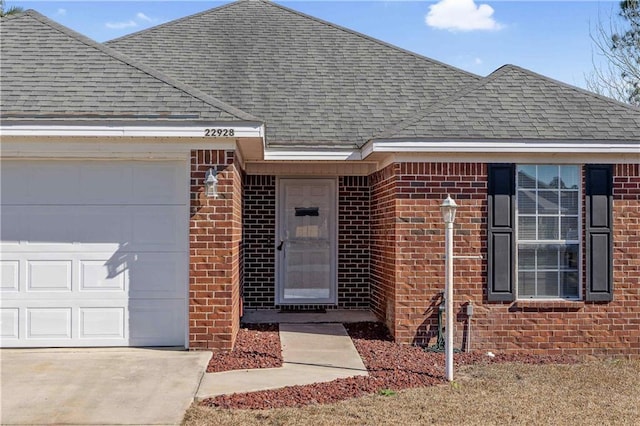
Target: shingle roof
{"x":314,"y":83}
{"x":52,"y":73}
{"x":514,"y":103}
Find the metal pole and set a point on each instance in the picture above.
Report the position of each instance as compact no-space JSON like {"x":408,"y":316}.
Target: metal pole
{"x":448,"y":344}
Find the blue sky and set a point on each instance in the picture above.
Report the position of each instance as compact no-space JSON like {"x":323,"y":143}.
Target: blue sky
{"x":548,"y":37}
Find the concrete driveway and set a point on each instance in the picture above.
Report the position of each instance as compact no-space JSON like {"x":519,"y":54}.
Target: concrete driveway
{"x":98,"y":386}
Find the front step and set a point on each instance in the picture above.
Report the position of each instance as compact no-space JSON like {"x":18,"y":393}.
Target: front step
{"x":270,"y":316}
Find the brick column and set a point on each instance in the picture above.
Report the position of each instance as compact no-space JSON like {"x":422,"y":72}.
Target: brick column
{"x":215,"y":239}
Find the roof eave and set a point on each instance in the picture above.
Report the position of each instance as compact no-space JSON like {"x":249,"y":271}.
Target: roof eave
{"x":426,"y":145}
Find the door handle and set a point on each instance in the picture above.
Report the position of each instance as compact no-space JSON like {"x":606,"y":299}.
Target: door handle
{"x":280,"y":246}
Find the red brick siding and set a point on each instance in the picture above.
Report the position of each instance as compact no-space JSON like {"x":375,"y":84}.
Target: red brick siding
{"x":420,"y":242}
{"x":537,"y":327}
{"x":215,"y":246}
{"x":353,"y":242}
{"x":383,"y":245}
{"x":259,"y":247}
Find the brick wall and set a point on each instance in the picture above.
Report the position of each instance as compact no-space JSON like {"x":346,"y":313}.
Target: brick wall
{"x":215,"y":240}
{"x":420,"y":242}
{"x":538,"y":327}
{"x":383,"y":245}
{"x":353,"y":242}
{"x":259,"y":246}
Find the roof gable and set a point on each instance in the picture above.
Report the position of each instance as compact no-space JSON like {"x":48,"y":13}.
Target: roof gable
{"x":514,"y":103}
{"x":313,"y":82}
{"x":52,"y":73}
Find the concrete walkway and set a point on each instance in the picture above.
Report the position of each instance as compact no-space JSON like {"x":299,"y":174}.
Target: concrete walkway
{"x":312,"y":353}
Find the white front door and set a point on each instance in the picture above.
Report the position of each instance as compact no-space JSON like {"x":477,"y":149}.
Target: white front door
{"x":306,"y":242}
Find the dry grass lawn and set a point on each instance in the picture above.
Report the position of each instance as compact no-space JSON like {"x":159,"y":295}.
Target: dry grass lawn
{"x":599,"y":392}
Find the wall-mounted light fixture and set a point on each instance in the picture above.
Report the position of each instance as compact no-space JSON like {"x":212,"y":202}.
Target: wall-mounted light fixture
{"x":211,"y":183}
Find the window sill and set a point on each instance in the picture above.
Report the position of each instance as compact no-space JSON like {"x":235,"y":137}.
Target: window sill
{"x":560,"y":305}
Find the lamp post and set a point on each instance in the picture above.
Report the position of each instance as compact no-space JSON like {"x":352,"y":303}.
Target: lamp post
{"x":448,"y":208}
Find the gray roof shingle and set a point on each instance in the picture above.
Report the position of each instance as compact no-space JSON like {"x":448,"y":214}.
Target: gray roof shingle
{"x":514,"y":103}
{"x":51,"y":73}
{"x":314,"y":83}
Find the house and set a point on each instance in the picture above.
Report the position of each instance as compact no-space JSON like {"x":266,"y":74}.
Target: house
{"x":251,"y":157}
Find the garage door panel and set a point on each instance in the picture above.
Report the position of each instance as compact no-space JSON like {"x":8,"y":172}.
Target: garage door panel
{"x":103,"y":227}
{"x":89,"y":275}
{"x":159,"y":183}
{"x":92,"y":182}
{"x":99,"y":275}
{"x":163,"y":272}
{"x":9,"y":323}
{"x":11,"y":226}
{"x":148,"y":319}
{"x":9,"y":275}
{"x":102,"y":323}
{"x":104,"y":183}
{"x":48,"y":275}
{"x":155,"y":228}
{"x":93,"y":228}
{"x":48,"y":323}
{"x":101,"y":260}
{"x":39,"y":183}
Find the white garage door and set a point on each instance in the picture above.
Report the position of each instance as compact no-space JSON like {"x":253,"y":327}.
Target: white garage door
{"x":94,"y":253}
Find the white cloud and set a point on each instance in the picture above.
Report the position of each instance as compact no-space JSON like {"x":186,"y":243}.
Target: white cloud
{"x":477,"y":61}
{"x":121,"y":25}
{"x":461,"y":15}
{"x":140,"y":19}
{"x":61,"y":12}
{"x":144,"y":17}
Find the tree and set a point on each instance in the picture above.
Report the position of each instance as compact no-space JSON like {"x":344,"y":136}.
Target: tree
{"x":619,"y":44}
{"x":11,"y":11}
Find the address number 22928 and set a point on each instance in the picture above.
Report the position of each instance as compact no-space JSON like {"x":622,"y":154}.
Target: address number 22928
{"x":221,"y":132}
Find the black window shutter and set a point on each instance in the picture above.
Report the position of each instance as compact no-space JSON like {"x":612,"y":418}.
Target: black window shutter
{"x":501,"y":232}
{"x":599,"y":231}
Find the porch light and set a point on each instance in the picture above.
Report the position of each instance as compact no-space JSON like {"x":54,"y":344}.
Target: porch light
{"x":211,"y":183}
{"x":448,"y":208}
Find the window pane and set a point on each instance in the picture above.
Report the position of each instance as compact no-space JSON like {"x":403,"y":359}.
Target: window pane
{"x":548,"y":257}
{"x":548,"y":202}
{"x":527,"y":228}
{"x":548,"y":213}
{"x":569,"y":202}
{"x":526,"y":202}
{"x":569,"y":228}
{"x":548,"y":228}
{"x":569,"y":257}
{"x":526,"y":257}
{"x":548,"y":177}
{"x":569,"y":177}
{"x":569,"y":284}
{"x":526,"y":284}
{"x":526,"y":176}
{"x":548,"y":284}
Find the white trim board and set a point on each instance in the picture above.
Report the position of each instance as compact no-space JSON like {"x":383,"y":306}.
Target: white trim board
{"x":512,"y":146}
{"x":239,"y":131}
{"x":104,"y":148}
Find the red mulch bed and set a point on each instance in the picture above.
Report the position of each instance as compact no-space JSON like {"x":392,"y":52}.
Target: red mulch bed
{"x":257,"y":346}
{"x":391,"y":366}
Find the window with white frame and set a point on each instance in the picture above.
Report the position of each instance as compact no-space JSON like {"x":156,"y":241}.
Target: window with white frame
{"x":548,"y":231}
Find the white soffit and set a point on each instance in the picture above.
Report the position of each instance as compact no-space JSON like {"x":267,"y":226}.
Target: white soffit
{"x":311,"y":154}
